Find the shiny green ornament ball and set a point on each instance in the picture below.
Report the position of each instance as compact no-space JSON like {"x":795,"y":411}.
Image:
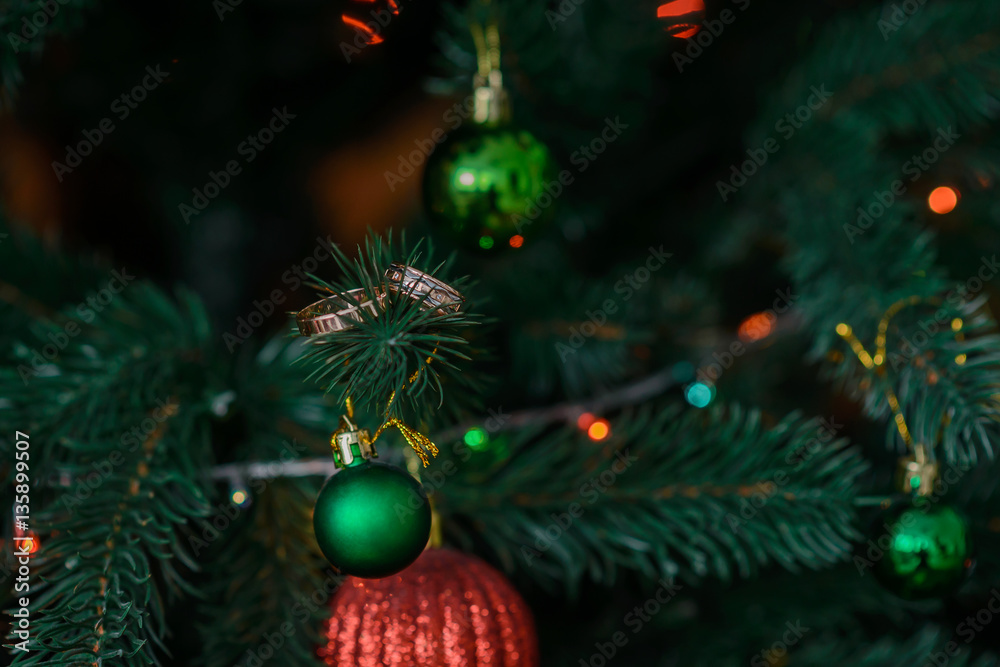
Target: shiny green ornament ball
{"x":925,"y":551}
{"x":371,"y":520}
{"x":491,"y":187}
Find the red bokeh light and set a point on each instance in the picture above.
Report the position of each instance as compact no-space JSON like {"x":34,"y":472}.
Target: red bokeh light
{"x":756,"y":327}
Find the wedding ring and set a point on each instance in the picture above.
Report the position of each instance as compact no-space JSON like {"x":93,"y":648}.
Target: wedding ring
{"x":433,"y":293}
{"x":335,"y":313}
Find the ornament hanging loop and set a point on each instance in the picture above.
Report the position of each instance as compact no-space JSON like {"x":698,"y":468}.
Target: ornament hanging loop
{"x":420,"y":443}
{"x":491,"y":104}
{"x":917,"y":472}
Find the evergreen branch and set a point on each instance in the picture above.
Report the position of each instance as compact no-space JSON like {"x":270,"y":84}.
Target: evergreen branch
{"x":890,"y":652}
{"x":261,"y":581}
{"x":97,"y":599}
{"x":375,"y":359}
{"x":118,"y":410}
{"x":262,"y":567}
{"x":906,"y":83}
{"x":665,"y":498}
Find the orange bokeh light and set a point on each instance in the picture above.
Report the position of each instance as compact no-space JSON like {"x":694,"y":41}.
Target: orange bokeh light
{"x":943,"y":199}
{"x":516,"y":241}
{"x":584,"y":421}
{"x":756,"y":327}
{"x":29,"y":544}
{"x":599,"y":430}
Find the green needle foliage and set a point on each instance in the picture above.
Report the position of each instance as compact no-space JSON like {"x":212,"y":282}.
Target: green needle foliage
{"x":264,"y":579}
{"x":120,"y":430}
{"x":374,"y":361}
{"x":890,"y":99}
{"x":137,"y":404}
{"x":673,"y":493}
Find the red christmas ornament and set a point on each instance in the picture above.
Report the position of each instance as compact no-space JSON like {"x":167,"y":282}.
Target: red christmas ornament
{"x":448,"y":609}
{"x":683,"y":17}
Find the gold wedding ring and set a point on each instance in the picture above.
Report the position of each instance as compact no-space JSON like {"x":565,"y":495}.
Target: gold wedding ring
{"x":433,"y":293}
{"x":335,"y":313}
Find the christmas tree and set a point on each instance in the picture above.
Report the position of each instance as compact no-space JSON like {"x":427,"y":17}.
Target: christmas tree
{"x":499,"y":333}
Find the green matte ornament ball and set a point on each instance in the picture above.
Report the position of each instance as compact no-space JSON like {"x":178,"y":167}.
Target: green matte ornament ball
{"x":925,"y":551}
{"x":491,"y":187}
{"x":371,"y":520}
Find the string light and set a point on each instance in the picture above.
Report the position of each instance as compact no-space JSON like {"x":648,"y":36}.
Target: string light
{"x":584,"y":421}
{"x":30,"y":544}
{"x":485,"y":242}
{"x":599,"y":430}
{"x":240,"y":497}
{"x":943,"y":199}
{"x":699,"y":394}
{"x":516,"y":241}
{"x":476,"y":438}
{"x":756,"y":327}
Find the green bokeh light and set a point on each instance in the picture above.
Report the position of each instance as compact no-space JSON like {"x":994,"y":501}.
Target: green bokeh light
{"x":476,"y":438}
{"x":485,"y":242}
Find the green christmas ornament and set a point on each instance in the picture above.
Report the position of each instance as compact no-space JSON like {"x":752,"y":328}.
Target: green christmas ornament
{"x":490,"y":184}
{"x":371,"y":519}
{"x":924,"y":550}
{"x":491,"y":187}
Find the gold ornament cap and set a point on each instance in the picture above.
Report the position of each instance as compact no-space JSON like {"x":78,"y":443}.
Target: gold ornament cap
{"x":351,"y":445}
{"x":917,"y":473}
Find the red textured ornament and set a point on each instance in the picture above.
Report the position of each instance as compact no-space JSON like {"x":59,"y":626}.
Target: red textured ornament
{"x":448,"y":609}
